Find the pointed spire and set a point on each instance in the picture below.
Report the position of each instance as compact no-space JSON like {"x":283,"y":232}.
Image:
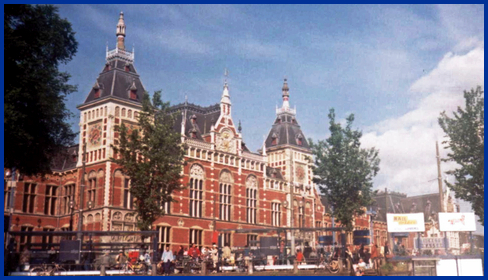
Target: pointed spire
{"x":264,"y":145}
{"x":239,"y":128}
{"x":286,"y":94}
{"x":225,"y":94}
{"x":121,"y":32}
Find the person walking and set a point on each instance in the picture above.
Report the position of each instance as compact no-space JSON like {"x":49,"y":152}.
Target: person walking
{"x":167,"y":258}
{"x":24,"y":258}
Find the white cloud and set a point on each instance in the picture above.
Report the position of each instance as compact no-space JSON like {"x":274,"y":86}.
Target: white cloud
{"x":407,"y":143}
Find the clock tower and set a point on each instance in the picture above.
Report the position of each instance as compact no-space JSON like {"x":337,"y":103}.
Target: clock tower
{"x":114,"y":99}
{"x":287,"y":150}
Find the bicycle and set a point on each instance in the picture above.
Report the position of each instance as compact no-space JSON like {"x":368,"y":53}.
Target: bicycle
{"x":47,"y":270}
{"x":329,"y":263}
{"x":138,"y":268}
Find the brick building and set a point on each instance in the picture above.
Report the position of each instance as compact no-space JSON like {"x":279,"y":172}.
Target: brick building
{"x":228,"y":186}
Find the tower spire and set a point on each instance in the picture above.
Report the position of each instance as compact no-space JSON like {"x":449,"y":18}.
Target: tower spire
{"x":121,"y":32}
{"x":286,"y":94}
{"x":225,"y":94}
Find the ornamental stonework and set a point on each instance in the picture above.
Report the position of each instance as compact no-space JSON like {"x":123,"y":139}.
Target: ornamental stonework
{"x":226,"y":142}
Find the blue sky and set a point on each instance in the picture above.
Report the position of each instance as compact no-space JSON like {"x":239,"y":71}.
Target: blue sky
{"x":396,"y":67}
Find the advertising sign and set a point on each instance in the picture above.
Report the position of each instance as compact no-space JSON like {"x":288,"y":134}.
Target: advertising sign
{"x":457,"y":222}
{"x":432,"y":243}
{"x":413,"y":222}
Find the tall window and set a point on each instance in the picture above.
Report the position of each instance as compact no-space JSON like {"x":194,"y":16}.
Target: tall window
{"x":25,"y":239}
{"x":7,"y":190}
{"x":166,"y":206}
{"x":196,"y":237}
{"x":129,"y":201}
{"x":163,"y":237}
{"x":318,"y":224}
{"x":275,"y":214}
{"x":196,"y":191}
{"x":225,"y":202}
{"x":92,"y":189}
{"x":29,"y":198}
{"x":47,"y":240}
{"x":300,"y":217}
{"x":251,"y":199}
{"x":252,"y":240}
{"x":69,"y":195}
{"x":225,"y":238}
{"x":50,"y":200}
{"x":225,"y":195}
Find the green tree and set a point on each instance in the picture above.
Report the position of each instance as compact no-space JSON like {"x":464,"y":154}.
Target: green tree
{"x":152,"y":156}
{"x":344,"y":171}
{"x":466,"y":143}
{"x":36,"y":128}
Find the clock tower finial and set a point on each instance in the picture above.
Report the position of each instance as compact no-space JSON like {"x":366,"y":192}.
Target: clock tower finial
{"x":121,"y":32}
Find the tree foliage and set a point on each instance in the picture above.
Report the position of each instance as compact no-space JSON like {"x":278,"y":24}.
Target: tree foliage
{"x":466,"y":142}
{"x":37,"y":40}
{"x":344,"y":171}
{"x":152,"y":156}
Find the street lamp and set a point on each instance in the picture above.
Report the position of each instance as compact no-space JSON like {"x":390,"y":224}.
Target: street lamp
{"x":71,"y":208}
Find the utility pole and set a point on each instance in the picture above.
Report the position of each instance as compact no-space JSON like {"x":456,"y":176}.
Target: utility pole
{"x":12,"y":185}
{"x":292,"y":205}
{"x":82,"y":191}
{"x":386,"y":214}
{"x":439,"y":176}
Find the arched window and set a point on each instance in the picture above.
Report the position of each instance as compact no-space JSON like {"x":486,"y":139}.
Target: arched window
{"x":123,"y":112}
{"x":196,"y":191}
{"x":91,"y":188}
{"x":251,"y":199}
{"x":117,"y":110}
{"x":225,"y":195}
{"x":129,"y":114}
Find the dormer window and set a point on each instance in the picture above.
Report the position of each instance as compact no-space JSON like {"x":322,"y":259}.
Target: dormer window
{"x":299,"y":140}
{"x":133,"y":91}
{"x":107,"y":67}
{"x":193,"y":119}
{"x":274,"y":139}
{"x":193,"y":133}
{"x":96,"y":89}
{"x":127,"y":67}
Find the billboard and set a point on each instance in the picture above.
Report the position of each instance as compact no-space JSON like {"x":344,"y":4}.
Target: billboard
{"x":413,"y":222}
{"x":432,"y":243}
{"x":457,"y":222}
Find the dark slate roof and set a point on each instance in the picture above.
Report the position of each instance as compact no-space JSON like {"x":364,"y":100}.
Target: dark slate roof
{"x":287,"y":130}
{"x":270,"y":171}
{"x":66,"y":159}
{"x":393,"y":205}
{"x":417,"y":204}
{"x":117,"y":82}
{"x":204,"y":117}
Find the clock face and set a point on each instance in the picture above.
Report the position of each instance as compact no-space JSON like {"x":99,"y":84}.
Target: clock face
{"x":95,"y":134}
{"x":300,"y":173}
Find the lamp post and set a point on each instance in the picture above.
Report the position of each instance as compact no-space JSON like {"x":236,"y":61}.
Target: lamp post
{"x":71,"y":208}
{"x":82,"y":190}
